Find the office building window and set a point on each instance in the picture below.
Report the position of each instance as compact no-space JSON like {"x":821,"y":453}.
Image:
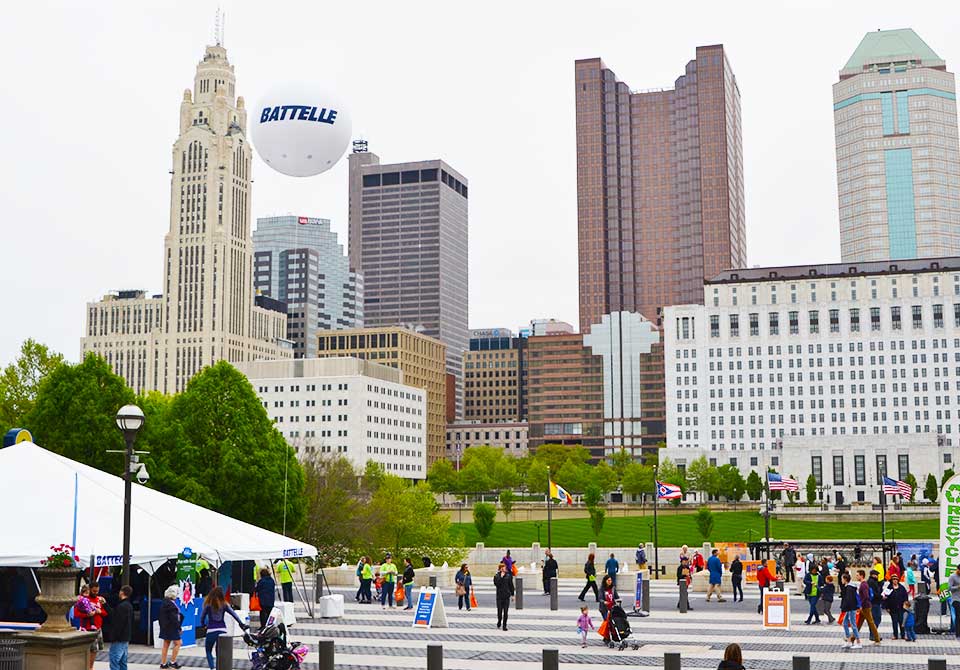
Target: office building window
{"x":881,"y":468}
{"x":838,"y":470}
{"x":834,"y":320}
{"x":714,"y":325}
{"x":754,"y":324}
{"x":859,"y":470}
{"x":874,"y":318}
{"x":903,"y":466}
{"x":854,"y":320}
{"x":814,"y":317}
{"x":916,"y":312}
{"x":816,"y":467}
{"x":735,"y":325}
{"x":774,"y":323}
{"x":895,"y":318}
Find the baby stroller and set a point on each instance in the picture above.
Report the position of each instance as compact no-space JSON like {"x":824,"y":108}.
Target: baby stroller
{"x":619,"y":629}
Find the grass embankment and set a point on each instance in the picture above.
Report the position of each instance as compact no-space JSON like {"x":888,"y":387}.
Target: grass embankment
{"x":675,"y":530}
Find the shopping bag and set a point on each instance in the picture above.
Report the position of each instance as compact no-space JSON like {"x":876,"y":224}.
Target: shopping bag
{"x":399,"y":593}
{"x":254,"y":603}
{"x":859,"y":619}
{"x":513,"y":569}
{"x":840,"y":618}
{"x":604,"y":627}
{"x":473,"y":599}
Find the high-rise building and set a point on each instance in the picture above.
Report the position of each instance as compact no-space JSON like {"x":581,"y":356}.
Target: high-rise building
{"x":206,"y":312}
{"x":408,"y":237}
{"x":898,"y":157}
{"x":659,"y":187}
{"x":357,"y":409}
{"x":492,"y":380}
{"x":422,"y":360}
{"x":298,"y":261}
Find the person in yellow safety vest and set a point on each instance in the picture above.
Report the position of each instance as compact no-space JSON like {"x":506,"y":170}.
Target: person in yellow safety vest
{"x":285,"y":570}
{"x":389,"y":571}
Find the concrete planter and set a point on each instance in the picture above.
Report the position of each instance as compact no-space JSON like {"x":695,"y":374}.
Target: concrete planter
{"x":58,"y":593}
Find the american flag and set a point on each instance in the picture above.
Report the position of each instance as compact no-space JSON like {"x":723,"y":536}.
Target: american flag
{"x":778,"y":483}
{"x":895,"y":487}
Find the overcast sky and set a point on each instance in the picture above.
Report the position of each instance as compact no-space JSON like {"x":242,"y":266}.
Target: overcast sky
{"x":91,"y":94}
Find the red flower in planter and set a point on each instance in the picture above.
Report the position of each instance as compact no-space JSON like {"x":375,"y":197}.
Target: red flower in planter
{"x":66,"y":562}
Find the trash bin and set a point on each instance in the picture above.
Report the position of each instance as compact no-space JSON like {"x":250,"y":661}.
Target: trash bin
{"x":11,"y":653}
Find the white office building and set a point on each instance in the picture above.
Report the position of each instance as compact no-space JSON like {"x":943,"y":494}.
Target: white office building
{"x":345,"y":406}
{"x":813,"y":351}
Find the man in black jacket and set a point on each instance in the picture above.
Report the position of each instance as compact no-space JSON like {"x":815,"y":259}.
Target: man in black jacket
{"x":121,"y":622}
{"x":503,"y":580}
{"x":550,"y":569}
{"x":789,"y":559}
{"x":266,"y":590}
{"x":736,"y":577}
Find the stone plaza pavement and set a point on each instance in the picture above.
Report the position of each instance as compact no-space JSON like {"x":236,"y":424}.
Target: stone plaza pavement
{"x":370,"y":638}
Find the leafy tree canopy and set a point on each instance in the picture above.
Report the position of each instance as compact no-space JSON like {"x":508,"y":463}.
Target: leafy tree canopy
{"x":20,"y":382}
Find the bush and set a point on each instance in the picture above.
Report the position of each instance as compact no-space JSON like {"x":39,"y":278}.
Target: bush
{"x":705,"y":522}
{"x":483,"y":518}
{"x":597,"y":516}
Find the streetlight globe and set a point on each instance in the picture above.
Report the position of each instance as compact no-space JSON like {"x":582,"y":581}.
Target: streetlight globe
{"x":130,"y":419}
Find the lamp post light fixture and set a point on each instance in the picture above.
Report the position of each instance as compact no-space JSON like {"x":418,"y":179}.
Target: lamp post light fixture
{"x":129,"y":420}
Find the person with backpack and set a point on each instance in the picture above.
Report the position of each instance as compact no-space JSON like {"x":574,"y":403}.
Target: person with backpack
{"x":590,"y":572}
{"x":866,"y":606}
{"x":849,"y":606}
{"x":876,"y":596}
{"x":736,"y":577}
{"x":641,"y":557}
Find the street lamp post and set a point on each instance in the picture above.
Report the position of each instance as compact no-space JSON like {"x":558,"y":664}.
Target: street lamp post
{"x":129,"y":421}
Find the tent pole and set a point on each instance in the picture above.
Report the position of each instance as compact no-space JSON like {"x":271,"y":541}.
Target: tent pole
{"x":303,"y":594}
{"x":149,"y":609}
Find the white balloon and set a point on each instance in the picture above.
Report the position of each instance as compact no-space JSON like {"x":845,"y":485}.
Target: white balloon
{"x":300,"y":130}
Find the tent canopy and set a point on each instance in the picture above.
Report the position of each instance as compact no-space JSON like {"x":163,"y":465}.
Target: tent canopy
{"x":42,"y":492}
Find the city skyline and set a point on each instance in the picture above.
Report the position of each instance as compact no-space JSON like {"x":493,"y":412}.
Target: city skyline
{"x":796,"y":152}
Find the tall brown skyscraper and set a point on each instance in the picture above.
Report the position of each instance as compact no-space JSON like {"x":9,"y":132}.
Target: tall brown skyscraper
{"x":659,"y":187}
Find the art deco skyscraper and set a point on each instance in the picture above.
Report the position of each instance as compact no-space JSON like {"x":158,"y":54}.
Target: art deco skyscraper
{"x":659,"y":187}
{"x":206,"y":312}
{"x":898,"y":158}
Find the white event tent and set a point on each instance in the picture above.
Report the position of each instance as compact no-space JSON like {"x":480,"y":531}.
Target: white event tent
{"x":47,"y":498}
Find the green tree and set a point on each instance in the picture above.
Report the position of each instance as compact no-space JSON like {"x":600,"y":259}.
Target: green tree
{"x":536,"y":480}
{"x":484,"y":514}
{"x":754,"y":486}
{"x":20,"y":382}
{"x":373,"y":476}
{"x":597,"y":516}
{"x":702,"y":476}
{"x":231,"y":448}
{"x":811,"y":486}
{"x":504,"y":473}
{"x":637,"y":479}
{"x":593,"y":496}
{"x":947,"y":474}
{"x":930,"y":489}
{"x":442,"y":478}
{"x":574,"y":476}
{"x":603,"y":476}
{"x":75,"y":410}
{"x":912,"y":481}
{"x":507,"y":498}
{"x":732,"y":484}
{"x":704,"y":521}
{"x":620,"y":460}
{"x":475,"y":478}
{"x":337,"y":521}
{"x":407,"y":522}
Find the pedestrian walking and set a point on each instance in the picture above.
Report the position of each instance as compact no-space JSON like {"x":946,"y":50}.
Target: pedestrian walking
{"x":911,"y":579}
{"x":732,"y":658}
{"x":608,"y":596}
{"x":507,"y":560}
{"x":641,"y":557}
{"x":215,"y":611}
{"x":121,"y":627}
{"x":789,"y":559}
{"x":715,"y":568}
{"x":763,"y":581}
{"x":584,"y":624}
{"x":503,"y":582}
{"x":811,"y":591}
{"x":366,"y":579}
{"x":550,"y":570}
{"x":464,"y":582}
{"x":612,"y":567}
{"x":896,"y":595}
{"x":953,"y":583}
{"x":360,"y":565}
{"x":736,"y":577}
{"x":170,"y":620}
{"x":849,"y":606}
{"x":266,"y":590}
{"x":909,"y":622}
{"x":408,"y":577}
{"x":840,"y":563}
{"x":866,"y":606}
{"x":878,"y":567}
{"x":590,"y":572}
{"x":827,"y":593}
{"x":683,"y":577}
{"x":388,"y":570}
{"x":285,"y":571}
{"x":876,"y":597}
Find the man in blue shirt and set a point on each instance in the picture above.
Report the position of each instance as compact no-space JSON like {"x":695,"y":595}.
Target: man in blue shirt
{"x":715,"y":568}
{"x":612,"y":567}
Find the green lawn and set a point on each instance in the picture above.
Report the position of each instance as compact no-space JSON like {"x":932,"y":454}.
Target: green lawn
{"x":677,"y":529}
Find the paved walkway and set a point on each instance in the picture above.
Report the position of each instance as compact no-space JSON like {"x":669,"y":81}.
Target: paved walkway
{"x":370,"y":638}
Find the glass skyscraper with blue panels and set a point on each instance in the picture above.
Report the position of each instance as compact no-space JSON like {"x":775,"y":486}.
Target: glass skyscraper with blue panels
{"x":898,"y":159}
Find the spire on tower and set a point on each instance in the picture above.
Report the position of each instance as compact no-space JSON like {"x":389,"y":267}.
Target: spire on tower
{"x":219,"y":25}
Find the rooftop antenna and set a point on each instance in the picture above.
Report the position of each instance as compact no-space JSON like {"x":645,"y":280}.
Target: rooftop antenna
{"x":219,"y":25}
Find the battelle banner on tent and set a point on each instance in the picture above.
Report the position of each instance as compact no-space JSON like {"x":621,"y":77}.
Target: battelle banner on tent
{"x":950,"y":526}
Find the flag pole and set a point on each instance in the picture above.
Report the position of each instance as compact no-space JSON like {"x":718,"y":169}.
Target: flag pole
{"x":883,"y":525}
{"x":549,"y":512}
{"x":656,"y":539}
{"x":766,"y":512}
